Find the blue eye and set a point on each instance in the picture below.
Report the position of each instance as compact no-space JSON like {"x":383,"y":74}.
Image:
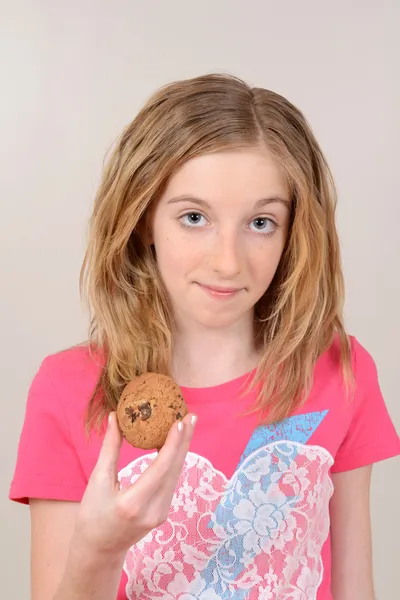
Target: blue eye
{"x":263,"y":225}
{"x":192,"y":219}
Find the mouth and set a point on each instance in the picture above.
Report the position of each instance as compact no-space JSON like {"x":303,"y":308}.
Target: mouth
{"x":219,"y":291}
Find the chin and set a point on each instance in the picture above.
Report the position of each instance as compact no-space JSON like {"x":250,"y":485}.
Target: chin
{"x":216,"y":321}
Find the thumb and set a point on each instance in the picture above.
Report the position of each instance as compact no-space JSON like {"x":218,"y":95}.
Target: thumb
{"x":107,"y":461}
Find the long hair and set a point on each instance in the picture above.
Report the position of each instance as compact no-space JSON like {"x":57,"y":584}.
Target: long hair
{"x":131,"y":323}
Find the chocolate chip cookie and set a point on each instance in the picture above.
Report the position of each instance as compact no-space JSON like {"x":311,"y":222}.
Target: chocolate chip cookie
{"x":147,"y":409}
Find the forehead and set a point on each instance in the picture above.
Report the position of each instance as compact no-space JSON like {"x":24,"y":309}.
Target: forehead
{"x":240,"y":174}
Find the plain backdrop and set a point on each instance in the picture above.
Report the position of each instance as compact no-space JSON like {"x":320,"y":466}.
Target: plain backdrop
{"x":74,"y":73}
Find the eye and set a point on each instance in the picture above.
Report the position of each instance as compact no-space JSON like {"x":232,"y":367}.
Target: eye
{"x":192,"y":219}
{"x":263,"y":225}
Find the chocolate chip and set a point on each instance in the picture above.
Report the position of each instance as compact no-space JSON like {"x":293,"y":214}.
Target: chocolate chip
{"x":131,"y":413}
{"x":178,"y":416}
{"x":145,"y":411}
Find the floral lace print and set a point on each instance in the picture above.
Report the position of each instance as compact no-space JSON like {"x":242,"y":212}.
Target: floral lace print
{"x":256,"y":536}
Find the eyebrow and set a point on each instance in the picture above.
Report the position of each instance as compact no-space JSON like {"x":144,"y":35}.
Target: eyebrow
{"x":259,"y":204}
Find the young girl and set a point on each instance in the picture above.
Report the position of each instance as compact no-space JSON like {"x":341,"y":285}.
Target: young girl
{"x":212,"y":257}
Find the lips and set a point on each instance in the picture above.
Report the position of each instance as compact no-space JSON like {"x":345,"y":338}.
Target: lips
{"x":216,"y":290}
{"x":222,"y":290}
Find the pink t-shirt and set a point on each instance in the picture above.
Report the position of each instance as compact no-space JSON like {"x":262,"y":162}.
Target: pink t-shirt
{"x":250,"y":516}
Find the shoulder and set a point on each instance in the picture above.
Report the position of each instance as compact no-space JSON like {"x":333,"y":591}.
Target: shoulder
{"x":362,"y":363}
{"x":72,"y":373}
{"x":361,"y":391}
{"x":53,"y":449}
{"x":73,"y":361}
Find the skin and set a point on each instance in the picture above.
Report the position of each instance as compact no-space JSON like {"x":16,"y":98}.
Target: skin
{"x":221,"y":222}
{"x":75,"y":559}
{"x":351,"y":536}
{"x":209,"y":230}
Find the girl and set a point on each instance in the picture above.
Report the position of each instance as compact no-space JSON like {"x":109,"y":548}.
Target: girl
{"x":213,"y":257}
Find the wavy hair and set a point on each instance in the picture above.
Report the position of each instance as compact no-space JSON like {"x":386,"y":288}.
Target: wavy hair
{"x":131,"y":323}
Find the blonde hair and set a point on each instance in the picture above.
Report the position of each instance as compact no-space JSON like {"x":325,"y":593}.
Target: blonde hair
{"x":130,"y":316}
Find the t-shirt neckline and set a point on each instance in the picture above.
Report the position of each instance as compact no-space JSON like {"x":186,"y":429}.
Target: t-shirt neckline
{"x":234,"y":386}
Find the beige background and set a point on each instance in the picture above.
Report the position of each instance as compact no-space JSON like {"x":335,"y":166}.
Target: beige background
{"x":75,"y":72}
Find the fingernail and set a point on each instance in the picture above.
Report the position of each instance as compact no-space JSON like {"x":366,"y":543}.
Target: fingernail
{"x":193,"y":420}
{"x":180,"y":426}
{"x":109,"y":419}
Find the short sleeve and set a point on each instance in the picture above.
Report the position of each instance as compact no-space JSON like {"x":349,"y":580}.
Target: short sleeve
{"x":371,"y":436}
{"x":47,"y":465}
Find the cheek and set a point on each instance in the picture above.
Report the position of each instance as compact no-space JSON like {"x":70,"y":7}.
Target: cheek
{"x":266,"y":260}
{"x":176,"y":258}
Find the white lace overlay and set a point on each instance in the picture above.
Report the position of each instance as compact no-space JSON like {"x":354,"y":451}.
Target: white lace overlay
{"x":257,"y":536}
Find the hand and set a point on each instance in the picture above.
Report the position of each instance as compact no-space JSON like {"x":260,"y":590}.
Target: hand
{"x":110,"y":520}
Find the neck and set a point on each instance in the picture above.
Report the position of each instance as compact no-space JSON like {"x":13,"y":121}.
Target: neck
{"x":208,"y":357}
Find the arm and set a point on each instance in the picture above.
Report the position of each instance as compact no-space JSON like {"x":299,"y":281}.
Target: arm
{"x":54,"y":570}
{"x":351,"y":536}
{"x":78,"y":549}
{"x":52,"y":524}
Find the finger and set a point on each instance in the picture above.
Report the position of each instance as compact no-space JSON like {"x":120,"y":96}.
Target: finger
{"x":163,"y":473}
{"x":107,"y":461}
{"x":176,"y":445}
{"x":172,"y":455}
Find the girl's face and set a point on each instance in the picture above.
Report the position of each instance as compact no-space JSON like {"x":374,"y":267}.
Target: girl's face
{"x":219,"y":231}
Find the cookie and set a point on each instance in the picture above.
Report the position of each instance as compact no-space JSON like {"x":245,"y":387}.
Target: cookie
{"x":147,"y":409}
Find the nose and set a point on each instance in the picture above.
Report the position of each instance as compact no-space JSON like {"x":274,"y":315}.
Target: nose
{"x":225,"y":254}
